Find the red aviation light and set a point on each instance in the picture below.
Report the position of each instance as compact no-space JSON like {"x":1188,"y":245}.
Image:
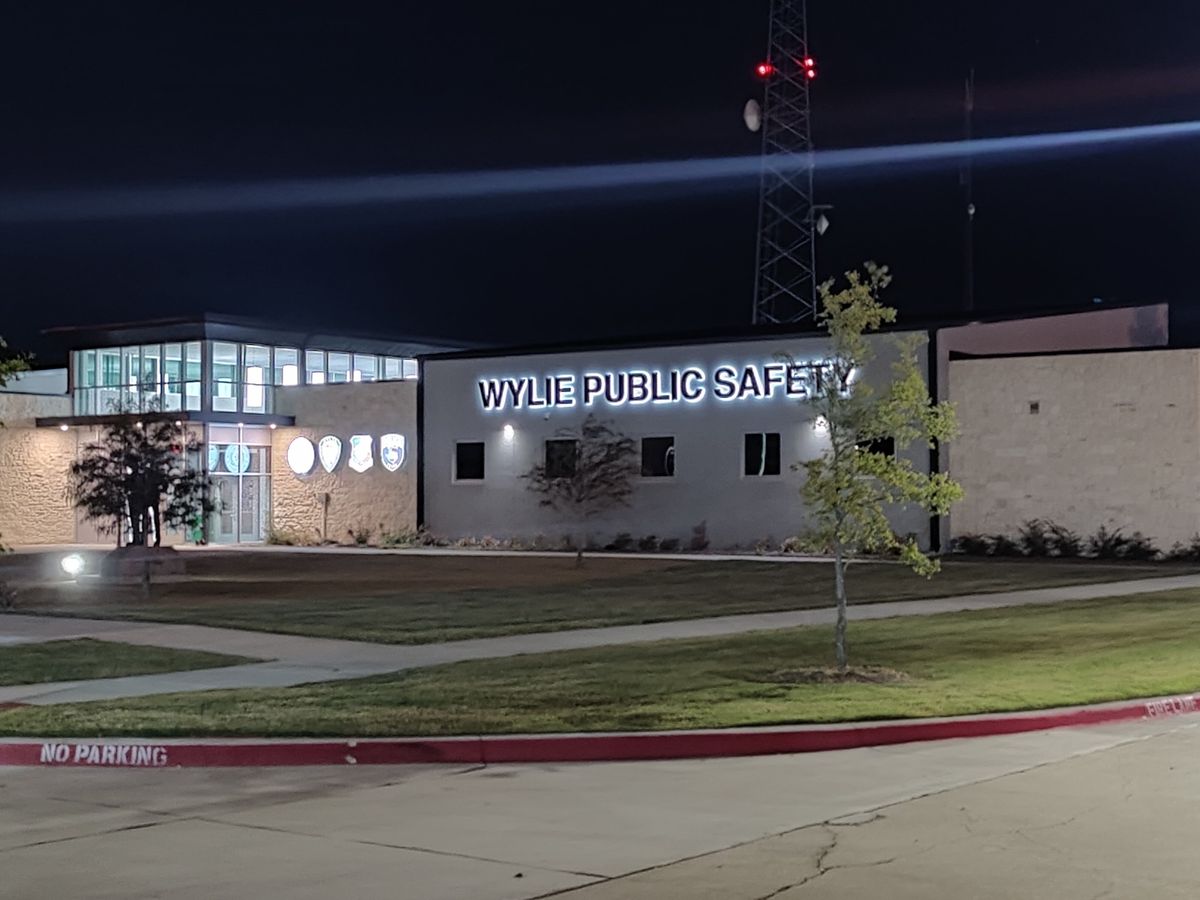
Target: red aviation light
{"x":764,"y":70}
{"x":810,"y":66}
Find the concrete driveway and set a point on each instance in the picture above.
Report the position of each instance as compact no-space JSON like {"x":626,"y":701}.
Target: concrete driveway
{"x":1066,"y":814}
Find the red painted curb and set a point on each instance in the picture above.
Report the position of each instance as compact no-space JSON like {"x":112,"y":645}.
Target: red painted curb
{"x":568,"y":748}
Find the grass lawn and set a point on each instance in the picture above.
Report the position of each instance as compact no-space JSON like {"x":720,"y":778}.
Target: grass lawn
{"x":423,"y":599}
{"x":957,"y":663}
{"x":74,"y":660}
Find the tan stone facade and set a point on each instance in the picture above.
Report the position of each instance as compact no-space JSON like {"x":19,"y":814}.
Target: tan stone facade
{"x":34,"y":508}
{"x":1114,"y":440}
{"x":327,"y":506}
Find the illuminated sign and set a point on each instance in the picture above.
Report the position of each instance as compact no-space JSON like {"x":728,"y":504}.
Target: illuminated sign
{"x":330,"y":451}
{"x":391,"y":451}
{"x":301,"y":456}
{"x":634,"y":387}
{"x":361,"y":457}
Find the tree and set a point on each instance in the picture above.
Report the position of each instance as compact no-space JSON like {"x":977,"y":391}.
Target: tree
{"x":586,"y":470}
{"x":849,"y":487}
{"x":10,"y":366}
{"x":137,"y":476}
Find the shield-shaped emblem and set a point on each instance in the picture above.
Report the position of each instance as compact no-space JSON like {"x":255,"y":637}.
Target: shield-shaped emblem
{"x":391,"y":451}
{"x":330,"y":452}
{"x":361,"y":455}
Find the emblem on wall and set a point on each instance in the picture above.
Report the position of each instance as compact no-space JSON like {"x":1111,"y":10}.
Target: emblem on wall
{"x":361,"y":456}
{"x":391,"y":451}
{"x":237,"y":458}
{"x":301,"y":455}
{"x":330,"y":452}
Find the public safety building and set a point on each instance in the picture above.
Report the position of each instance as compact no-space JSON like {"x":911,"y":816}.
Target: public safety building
{"x":1085,"y":417}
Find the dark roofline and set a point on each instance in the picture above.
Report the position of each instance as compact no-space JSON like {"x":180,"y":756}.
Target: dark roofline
{"x":928,"y":324}
{"x":208,"y":325}
{"x":961,"y":355}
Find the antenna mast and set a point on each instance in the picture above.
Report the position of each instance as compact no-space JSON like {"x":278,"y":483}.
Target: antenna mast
{"x":785,"y":288}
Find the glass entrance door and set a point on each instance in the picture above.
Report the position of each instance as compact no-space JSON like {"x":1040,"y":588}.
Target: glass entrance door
{"x":239,"y":463}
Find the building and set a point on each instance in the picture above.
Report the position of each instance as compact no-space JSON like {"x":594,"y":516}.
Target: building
{"x":717,"y":460}
{"x":247,"y":392}
{"x":321,"y":437}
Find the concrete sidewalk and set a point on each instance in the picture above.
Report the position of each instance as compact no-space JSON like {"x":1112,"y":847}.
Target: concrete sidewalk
{"x":300,"y":660}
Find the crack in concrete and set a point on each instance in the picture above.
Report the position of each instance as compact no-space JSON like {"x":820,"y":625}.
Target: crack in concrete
{"x":80,"y":837}
{"x":388,"y":846}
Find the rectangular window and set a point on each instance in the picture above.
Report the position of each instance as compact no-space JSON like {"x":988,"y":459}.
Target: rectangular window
{"x":762,"y":454}
{"x":192,"y":372}
{"x":658,"y":457}
{"x":314,"y":366}
{"x":287,"y":366}
{"x":339,"y":368}
{"x":468,"y":461}
{"x":412,"y":370}
{"x":256,"y":363}
{"x":391,"y":368}
{"x":883,"y":446}
{"x":172,"y":376}
{"x":365,"y":367}
{"x":562,"y":457}
{"x":224,"y":373}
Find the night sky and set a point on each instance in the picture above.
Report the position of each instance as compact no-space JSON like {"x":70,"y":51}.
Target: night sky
{"x":117,"y":94}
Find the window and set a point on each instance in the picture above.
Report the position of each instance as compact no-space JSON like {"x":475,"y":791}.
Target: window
{"x":256,"y":363}
{"x":468,"y":461}
{"x":883,"y":446}
{"x":224,"y":373}
{"x":365,"y":367}
{"x":562,"y":456}
{"x":287,"y":366}
{"x":391,"y":368}
{"x":314,"y":366}
{"x":762,"y":454}
{"x":191,"y":387}
{"x":172,"y":376}
{"x":412,"y":369}
{"x":339,"y":368}
{"x":658,"y":457}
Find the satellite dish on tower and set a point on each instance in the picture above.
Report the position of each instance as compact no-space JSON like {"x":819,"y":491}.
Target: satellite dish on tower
{"x":752,"y":115}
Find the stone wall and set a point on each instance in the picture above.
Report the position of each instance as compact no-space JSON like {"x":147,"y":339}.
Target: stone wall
{"x":33,"y":471}
{"x":1114,"y":441}
{"x":377,"y":499}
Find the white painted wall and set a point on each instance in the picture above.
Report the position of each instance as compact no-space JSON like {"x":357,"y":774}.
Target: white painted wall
{"x":708,"y":486}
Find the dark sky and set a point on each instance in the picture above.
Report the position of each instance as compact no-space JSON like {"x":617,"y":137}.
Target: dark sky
{"x":118,"y":94}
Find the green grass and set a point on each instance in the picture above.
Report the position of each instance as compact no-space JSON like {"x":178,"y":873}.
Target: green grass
{"x":411,"y":600}
{"x":1019,"y":658}
{"x":75,"y":660}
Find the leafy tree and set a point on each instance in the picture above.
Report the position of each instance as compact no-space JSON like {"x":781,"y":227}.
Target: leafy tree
{"x":587,"y":470}
{"x":137,"y":474}
{"x":851,"y":484}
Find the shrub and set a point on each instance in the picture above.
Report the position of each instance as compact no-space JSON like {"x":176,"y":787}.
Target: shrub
{"x":1105,"y":544}
{"x":1063,"y":541}
{"x":1003,"y":545}
{"x":621,"y":543}
{"x":8,"y":596}
{"x":669,"y":545}
{"x":648,"y":544}
{"x":972,"y":544}
{"x":1035,"y":539}
{"x":699,"y":541}
{"x":1189,"y":552}
{"x":281,"y":538}
{"x":805,"y":544}
{"x":1140,"y":547}
{"x":361,"y":534}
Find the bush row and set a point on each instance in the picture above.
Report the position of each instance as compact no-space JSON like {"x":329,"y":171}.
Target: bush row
{"x":1045,"y":538}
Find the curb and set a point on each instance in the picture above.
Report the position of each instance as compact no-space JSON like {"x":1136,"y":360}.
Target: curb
{"x":561,"y":748}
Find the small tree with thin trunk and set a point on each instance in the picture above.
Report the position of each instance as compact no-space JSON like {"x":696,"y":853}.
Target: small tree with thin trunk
{"x":850,"y":486}
{"x":137,"y":477}
{"x":587,"y":470}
